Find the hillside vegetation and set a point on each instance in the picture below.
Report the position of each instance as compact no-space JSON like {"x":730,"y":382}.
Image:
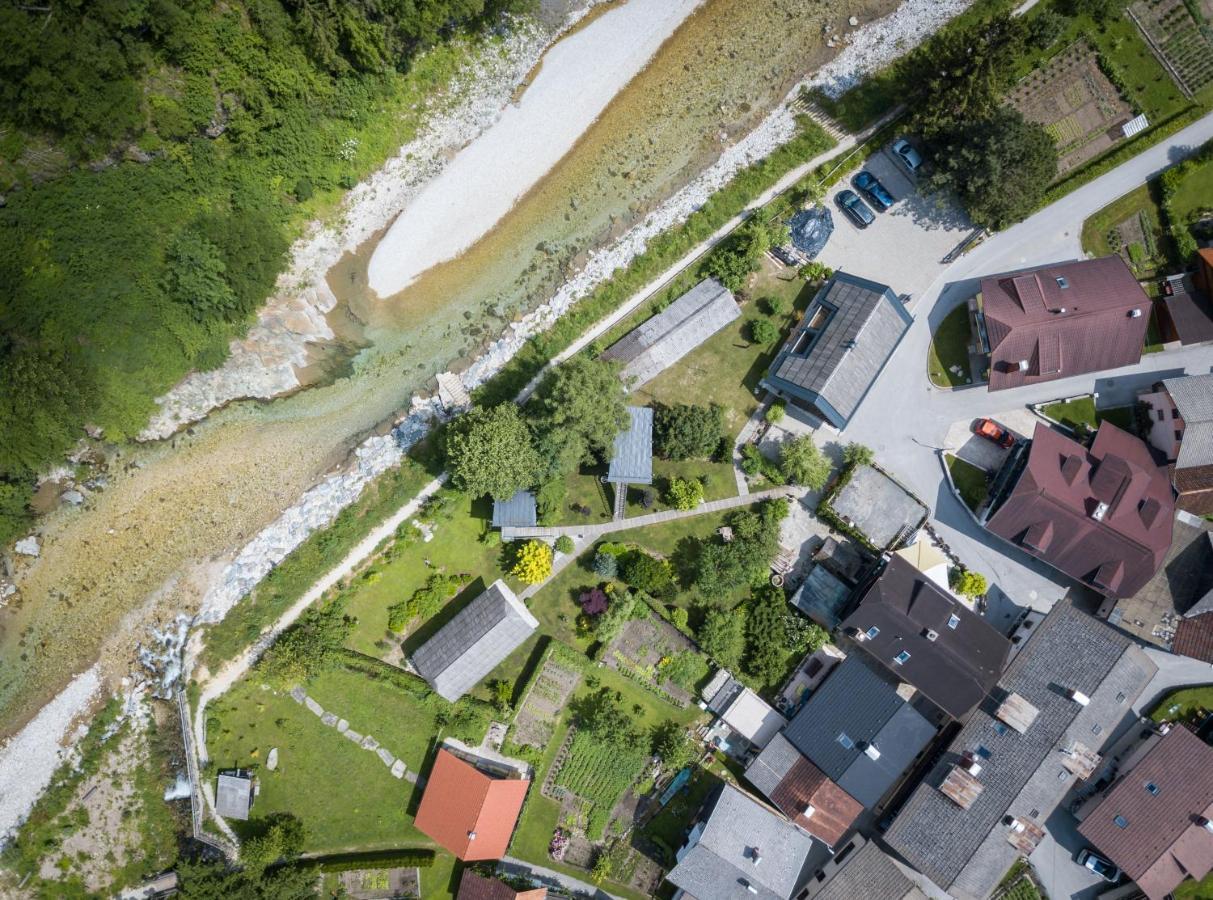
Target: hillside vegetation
{"x":156,"y":157}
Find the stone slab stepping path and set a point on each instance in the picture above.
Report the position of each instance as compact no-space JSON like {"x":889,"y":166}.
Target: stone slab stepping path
{"x":366,"y":742}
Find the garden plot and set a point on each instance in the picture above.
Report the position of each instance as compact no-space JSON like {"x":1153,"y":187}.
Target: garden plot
{"x":659,"y":657}
{"x":381,"y":884}
{"x":544,"y":703}
{"x":598,"y":773}
{"x":1076,"y":103}
{"x":1185,"y":45}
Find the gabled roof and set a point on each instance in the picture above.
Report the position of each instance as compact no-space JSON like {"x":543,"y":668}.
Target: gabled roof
{"x":1059,"y":331}
{"x":742,"y":844}
{"x":954,"y":657}
{"x":1101,"y":516}
{"x":477,"y":887}
{"x":802,"y":792}
{"x":468,"y":811}
{"x":883,"y":732}
{"x":966,"y":850}
{"x":517,"y":512}
{"x":869,"y":874}
{"x":234,"y":795}
{"x":632,"y":457}
{"x":471,"y":645}
{"x":1146,"y":823}
{"x":1194,"y":637}
{"x":1193,"y":397}
{"x":844,"y":340}
{"x":661,"y":341}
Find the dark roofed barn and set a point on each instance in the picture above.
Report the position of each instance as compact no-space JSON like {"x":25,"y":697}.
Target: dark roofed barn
{"x":1102,"y":516}
{"x":921,"y":634}
{"x":471,"y":645}
{"x":1061,"y":320}
{"x":1073,"y":683}
{"x":832,"y":358}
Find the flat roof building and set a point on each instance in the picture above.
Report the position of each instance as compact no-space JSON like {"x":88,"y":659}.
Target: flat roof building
{"x":844,"y":340}
{"x":234,"y":794}
{"x":745,"y":713}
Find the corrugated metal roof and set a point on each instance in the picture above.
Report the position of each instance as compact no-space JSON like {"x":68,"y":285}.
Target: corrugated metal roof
{"x":470,"y":646}
{"x":233,"y":796}
{"x":1193,"y":397}
{"x":517,"y":512}
{"x":632,"y":458}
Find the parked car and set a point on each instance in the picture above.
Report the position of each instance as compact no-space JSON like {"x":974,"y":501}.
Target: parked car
{"x":1089,"y":859}
{"x":875,"y":191}
{"x":992,"y":431}
{"x":785,"y":256}
{"x":858,"y":211}
{"x":909,"y":157}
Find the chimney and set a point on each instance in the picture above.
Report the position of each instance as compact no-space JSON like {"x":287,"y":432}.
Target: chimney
{"x":1135,"y":314}
{"x":809,"y":809}
{"x":749,"y":887}
{"x":1205,"y":824}
{"x":931,"y":634}
{"x":1023,"y":365}
{"x":1078,"y":697}
{"x":471,"y":835}
{"x":969,"y":763}
{"x":1100,"y":510}
{"x":871,"y":752}
{"x":755,"y":856}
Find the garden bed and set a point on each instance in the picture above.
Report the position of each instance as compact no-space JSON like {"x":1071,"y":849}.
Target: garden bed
{"x":648,"y":650}
{"x":545,"y":701}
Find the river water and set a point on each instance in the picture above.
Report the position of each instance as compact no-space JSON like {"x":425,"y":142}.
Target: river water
{"x":158,"y":537}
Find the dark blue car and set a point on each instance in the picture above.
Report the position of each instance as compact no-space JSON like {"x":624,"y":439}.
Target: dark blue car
{"x":858,"y":211}
{"x":875,"y":191}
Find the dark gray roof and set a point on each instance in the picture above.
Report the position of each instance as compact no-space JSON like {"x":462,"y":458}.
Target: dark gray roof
{"x":724,"y":696}
{"x":847,"y":335}
{"x":772,"y":764}
{"x":721,"y":862}
{"x":234,"y":795}
{"x":866,"y":874}
{"x":678,"y":329}
{"x":632,"y":459}
{"x":1193,"y":397}
{"x":966,"y":852}
{"x":471,"y":645}
{"x":517,"y":512}
{"x":822,"y":596}
{"x":862,"y":703}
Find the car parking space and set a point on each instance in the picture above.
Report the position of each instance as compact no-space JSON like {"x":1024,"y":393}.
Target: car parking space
{"x":904,"y":247}
{"x":982,"y":452}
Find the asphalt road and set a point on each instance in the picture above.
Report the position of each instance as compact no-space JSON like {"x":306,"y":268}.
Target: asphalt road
{"x":904,"y":418}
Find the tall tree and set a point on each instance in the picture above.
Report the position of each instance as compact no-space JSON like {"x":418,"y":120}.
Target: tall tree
{"x":490,"y":451}
{"x":683,"y":431}
{"x":802,"y":462}
{"x":577,"y":412}
{"x":722,"y":636}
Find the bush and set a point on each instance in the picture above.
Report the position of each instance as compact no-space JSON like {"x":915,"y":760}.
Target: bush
{"x":775,"y":412}
{"x":308,"y":647}
{"x":773,"y":306}
{"x":680,"y":617}
{"x":647,"y":573}
{"x":605,"y":565}
{"x":857,"y":455}
{"x":683,"y":431}
{"x":426,"y":600}
{"x":685,"y":493}
{"x":375,"y":859}
{"x":533,"y":562}
{"x":763,"y":331}
{"x":802,"y":462}
{"x":564,"y":544}
{"x":968,"y":583}
{"x":722,"y":636}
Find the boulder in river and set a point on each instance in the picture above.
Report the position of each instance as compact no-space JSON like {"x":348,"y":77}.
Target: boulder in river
{"x":27,"y":546}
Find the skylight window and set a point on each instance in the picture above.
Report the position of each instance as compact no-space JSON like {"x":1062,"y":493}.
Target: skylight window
{"x":872,"y":632}
{"x":953,"y":621}
{"x":902,"y":658}
{"x":845,"y":741}
{"x":1120,"y":822}
{"x":1062,"y":282}
{"x":1152,"y":788}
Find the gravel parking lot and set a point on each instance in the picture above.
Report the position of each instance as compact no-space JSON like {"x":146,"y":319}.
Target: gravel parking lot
{"x":904,"y":247}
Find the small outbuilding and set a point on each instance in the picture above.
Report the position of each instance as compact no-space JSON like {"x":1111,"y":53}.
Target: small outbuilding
{"x":517,"y":512}
{"x":234,"y":794}
{"x":632,"y":459}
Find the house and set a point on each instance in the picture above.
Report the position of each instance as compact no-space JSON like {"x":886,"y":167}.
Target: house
{"x":746,"y":715}
{"x":1156,"y":819}
{"x":860,"y":729}
{"x":471,"y":645}
{"x":477,"y":887}
{"x":922,"y":635}
{"x":655,"y":345}
{"x":1061,"y":320}
{"x":739,"y":849}
{"x":1102,"y":516}
{"x":802,"y":792}
{"x":632,"y":456}
{"x":985,"y":802}
{"x":860,"y":869}
{"x":234,"y":794}
{"x":1181,"y":428}
{"x":517,"y":512}
{"x":844,"y":340}
{"x":1186,"y":311}
{"x":469,"y":811}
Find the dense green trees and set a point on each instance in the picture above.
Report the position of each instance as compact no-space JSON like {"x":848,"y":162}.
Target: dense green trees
{"x":722,"y":636}
{"x":684,"y":431}
{"x":214,"y":881}
{"x":489,"y":451}
{"x":308,"y":647}
{"x":577,"y":412}
{"x":802,"y":462}
{"x":732,"y":263}
{"x":722,"y":567}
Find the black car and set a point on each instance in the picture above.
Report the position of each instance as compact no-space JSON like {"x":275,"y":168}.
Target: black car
{"x":875,"y":191}
{"x":861,"y":214}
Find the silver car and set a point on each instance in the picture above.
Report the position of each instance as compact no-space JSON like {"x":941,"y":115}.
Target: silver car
{"x":909,"y":157}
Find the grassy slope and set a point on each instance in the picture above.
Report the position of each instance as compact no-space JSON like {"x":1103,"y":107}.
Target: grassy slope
{"x":1138,"y":202}
{"x":1082,"y":411}
{"x":969,"y":480}
{"x":950,"y":347}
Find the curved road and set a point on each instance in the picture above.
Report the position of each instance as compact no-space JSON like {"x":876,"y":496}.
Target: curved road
{"x":904,"y":418}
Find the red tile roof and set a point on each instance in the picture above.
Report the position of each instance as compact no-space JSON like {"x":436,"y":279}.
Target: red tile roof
{"x":834,"y":810}
{"x":1102,"y":516}
{"x":467,"y":811}
{"x":477,"y":887}
{"x":1194,"y":637}
{"x":1152,"y":834}
{"x":1025,"y":321}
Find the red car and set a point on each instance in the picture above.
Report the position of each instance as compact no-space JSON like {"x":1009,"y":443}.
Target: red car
{"x":992,"y":431}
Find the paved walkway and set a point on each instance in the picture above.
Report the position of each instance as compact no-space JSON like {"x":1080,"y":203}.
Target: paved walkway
{"x":593,"y":532}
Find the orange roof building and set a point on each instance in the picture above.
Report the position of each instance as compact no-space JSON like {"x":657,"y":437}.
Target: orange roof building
{"x":468,"y":811}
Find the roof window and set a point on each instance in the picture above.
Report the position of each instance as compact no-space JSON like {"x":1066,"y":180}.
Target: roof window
{"x":845,"y":741}
{"x":1120,"y":822}
{"x":1062,"y":282}
{"x":953,"y":621}
{"x":872,"y":632}
{"x":1152,"y":788}
{"x":902,"y":658}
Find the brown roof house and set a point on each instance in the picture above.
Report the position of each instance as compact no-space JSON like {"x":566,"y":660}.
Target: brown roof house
{"x":1061,"y":320}
{"x":922,"y":635}
{"x":1186,"y":311}
{"x":986,"y":799}
{"x":802,"y":792}
{"x":1181,"y":428}
{"x":1155,"y":820}
{"x":477,"y":887}
{"x":1102,"y":516}
{"x":467,"y":810}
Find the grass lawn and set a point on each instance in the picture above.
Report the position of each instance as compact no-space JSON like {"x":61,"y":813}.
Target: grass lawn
{"x":1195,"y":890}
{"x":344,"y":795}
{"x":1142,"y":204}
{"x":584,"y":489}
{"x":1194,"y":193}
{"x":668,"y":829}
{"x":950,"y":347}
{"x":1183,"y":703}
{"x":1082,"y":412}
{"x":969,"y":480}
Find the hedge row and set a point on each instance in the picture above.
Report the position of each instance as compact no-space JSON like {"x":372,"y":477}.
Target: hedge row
{"x":374,"y":859}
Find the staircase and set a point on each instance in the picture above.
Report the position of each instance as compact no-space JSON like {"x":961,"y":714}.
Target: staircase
{"x":802,"y":105}
{"x":621,"y":501}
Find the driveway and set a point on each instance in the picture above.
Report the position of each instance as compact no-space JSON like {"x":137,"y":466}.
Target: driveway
{"x":904,"y":247}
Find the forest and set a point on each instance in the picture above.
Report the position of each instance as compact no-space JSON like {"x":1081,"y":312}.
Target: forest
{"x":156,"y":159}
